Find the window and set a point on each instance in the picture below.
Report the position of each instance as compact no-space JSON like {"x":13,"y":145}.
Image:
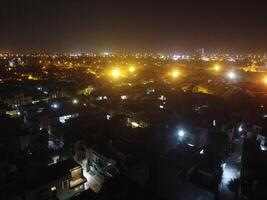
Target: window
{"x":53,"y":188}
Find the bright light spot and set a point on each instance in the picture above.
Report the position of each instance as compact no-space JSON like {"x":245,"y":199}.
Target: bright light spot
{"x":161,"y":106}
{"x":18,"y":113}
{"x":263,"y":148}
{"x":75,"y":101}
{"x":53,"y":188}
{"x":174,"y":74}
{"x":217,"y":67}
{"x":116,"y":73}
{"x":202,"y":151}
{"x":54,"y":105}
{"x":191,"y":145}
{"x":214,"y":122}
{"x":265,"y":80}
{"x":131,"y":69}
{"x":135,"y":125}
{"x":223,"y":165}
{"x":181,"y":133}
{"x":124,"y":97}
{"x":106,"y":53}
{"x":63,"y":119}
{"x":162,"y":98}
{"x":229,"y":172}
{"x":108,"y":117}
{"x":231,"y":75}
{"x":240,"y":129}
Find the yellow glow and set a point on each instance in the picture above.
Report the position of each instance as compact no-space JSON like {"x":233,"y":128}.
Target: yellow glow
{"x":217,"y":67}
{"x":131,"y":69}
{"x":116,"y":73}
{"x":174,"y":74}
{"x":30,"y":77}
{"x":265,"y":80}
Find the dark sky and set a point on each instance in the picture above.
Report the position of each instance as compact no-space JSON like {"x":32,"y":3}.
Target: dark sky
{"x":133,"y":25}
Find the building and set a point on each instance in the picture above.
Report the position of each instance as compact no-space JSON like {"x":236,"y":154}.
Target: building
{"x":101,"y":162}
{"x":59,"y":181}
{"x":15,"y":100}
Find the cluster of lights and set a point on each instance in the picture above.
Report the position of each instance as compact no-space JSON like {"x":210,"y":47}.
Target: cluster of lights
{"x":117,"y":73}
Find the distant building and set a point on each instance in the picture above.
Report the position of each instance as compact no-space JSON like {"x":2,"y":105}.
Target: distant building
{"x":199,"y":53}
{"x":15,"y":100}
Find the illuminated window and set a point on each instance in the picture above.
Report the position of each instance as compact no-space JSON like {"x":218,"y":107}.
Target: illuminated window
{"x":53,"y":188}
{"x":135,"y":125}
{"x":123,"y":97}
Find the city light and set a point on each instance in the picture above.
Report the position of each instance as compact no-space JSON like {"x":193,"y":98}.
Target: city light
{"x":265,"y":80}
{"x":75,"y":101}
{"x":202,"y":151}
{"x":131,"y":69}
{"x":231,"y":75}
{"x":124,"y":97}
{"x":217,"y":67}
{"x":54,"y":105}
{"x":181,"y":133}
{"x":116,"y":73}
{"x":174,"y":74}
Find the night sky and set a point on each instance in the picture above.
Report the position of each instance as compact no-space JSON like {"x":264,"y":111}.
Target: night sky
{"x":166,"y":26}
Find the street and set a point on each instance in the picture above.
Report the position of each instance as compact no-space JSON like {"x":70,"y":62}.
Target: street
{"x":231,"y":170}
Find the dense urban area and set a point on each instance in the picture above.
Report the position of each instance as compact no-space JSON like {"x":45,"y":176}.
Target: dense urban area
{"x":133,"y":126}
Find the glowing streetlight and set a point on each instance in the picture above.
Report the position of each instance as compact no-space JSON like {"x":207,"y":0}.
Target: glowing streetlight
{"x":231,"y":75}
{"x":116,"y":73}
{"x":75,"y":101}
{"x":54,"y":105}
{"x":131,"y":69}
{"x":174,"y":74}
{"x":181,"y":133}
{"x":217,"y":67}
